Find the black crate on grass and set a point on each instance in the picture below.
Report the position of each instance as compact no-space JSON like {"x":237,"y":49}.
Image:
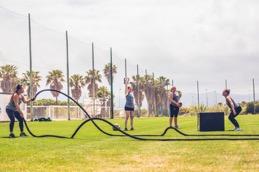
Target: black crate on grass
{"x":211,"y":121}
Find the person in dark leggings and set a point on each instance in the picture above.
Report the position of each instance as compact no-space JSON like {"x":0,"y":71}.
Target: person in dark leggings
{"x":235,"y":109}
{"x":13,"y":110}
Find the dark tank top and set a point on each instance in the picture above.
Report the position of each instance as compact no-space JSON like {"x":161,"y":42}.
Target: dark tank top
{"x":129,"y":101}
{"x":11,"y":104}
{"x":229,"y":104}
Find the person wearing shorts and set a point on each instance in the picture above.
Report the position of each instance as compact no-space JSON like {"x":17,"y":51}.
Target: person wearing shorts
{"x":129,"y":107}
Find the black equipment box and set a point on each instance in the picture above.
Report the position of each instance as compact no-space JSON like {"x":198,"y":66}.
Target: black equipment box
{"x":211,"y":121}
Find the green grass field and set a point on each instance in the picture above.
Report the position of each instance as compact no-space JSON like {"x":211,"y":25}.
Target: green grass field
{"x":93,"y":151}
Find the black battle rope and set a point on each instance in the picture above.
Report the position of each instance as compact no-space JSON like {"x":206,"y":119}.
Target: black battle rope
{"x":137,"y":137}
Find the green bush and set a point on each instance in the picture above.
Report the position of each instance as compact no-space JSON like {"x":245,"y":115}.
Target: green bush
{"x":47,"y":102}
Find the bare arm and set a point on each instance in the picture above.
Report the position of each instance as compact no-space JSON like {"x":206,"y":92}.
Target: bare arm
{"x":26,"y":100}
{"x":126,"y":86}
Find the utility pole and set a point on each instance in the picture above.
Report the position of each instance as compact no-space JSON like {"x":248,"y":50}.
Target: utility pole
{"x":112,"y":116}
{"x":30,"y":59}
{"x":68,"y":86}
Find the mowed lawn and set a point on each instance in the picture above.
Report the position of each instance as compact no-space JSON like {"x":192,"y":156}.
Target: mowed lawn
{"x":93,"y":151}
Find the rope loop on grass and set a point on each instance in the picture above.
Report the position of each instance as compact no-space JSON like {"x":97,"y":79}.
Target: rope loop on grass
{"x":144,"y":137}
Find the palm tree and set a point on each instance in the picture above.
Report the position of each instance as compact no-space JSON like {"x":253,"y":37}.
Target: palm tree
{"x":161,"y":95}
{"x":104,"y":95}
{"x":138,"y":87}
{"x":36,"y":78}
{"x":107,"y":74}
{"x":8,"y":76}
{"x":107,"y":71}
{"x":54,"y":80}
{"x":76,"y":83}
{"x":148,"y":87}
{"x":91,"y":78}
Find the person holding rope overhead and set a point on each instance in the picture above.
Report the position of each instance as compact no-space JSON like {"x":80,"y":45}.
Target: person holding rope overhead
{"x":235,"y":109}
{"x":174,"y":106}
{"x":13,"y":110}
{"x":129,"y":106}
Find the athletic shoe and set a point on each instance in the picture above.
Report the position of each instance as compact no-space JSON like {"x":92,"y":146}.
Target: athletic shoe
{"x":125,"y":129}
{"x":237,"y":129}
{"x":132,"y":128}
{"x":11,"y":135}
{"x":23,"y":134}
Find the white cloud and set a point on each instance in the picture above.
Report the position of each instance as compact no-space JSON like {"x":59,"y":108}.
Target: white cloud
{"x":209,"y":40}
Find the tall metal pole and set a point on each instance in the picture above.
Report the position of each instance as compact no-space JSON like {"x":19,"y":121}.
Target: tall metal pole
{"x":226,"y":84}
{"x":126,"y":74}
{"x":216,"y":97}
{"x":68,"y":86}
{"x":254,"y":95}
{"x":111,"y":73}
{"x":198,"y":95}
{"x":30,"y":59}
{"x":146,"y":82}
{"x":154,"y":94}
{"x":138,"y":91}
{"x":93,"y":79}
{"x":207,"y":98}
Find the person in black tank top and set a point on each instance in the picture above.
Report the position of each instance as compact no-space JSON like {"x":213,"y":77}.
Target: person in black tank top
{"x":235,"y":109}
{"x":13,"y":110}
{"x":174,"y":106}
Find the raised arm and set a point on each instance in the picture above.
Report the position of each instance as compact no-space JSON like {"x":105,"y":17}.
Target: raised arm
{"x":126,"y":86}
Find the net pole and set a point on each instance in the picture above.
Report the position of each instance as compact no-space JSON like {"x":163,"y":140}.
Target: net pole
{"x":253,"y":82}
{"x":111,"y":73}
{"x":226,"y":84}
{"x":30,"y":61}
{"x":198,"y":95}
{"x":93,"y":79}
{"x":68,"y":86}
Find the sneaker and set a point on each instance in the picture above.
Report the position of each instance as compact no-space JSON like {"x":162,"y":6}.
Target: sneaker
{"x":23,"y":134}
{"x":237,"y":129}
{"x":125,"y":129}
{"x":132,"y":128}
{"x":11,"y":135}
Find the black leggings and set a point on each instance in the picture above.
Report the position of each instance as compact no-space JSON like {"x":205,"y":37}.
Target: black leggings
{"x":231,"y":117}
{"x":12,"y":115}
